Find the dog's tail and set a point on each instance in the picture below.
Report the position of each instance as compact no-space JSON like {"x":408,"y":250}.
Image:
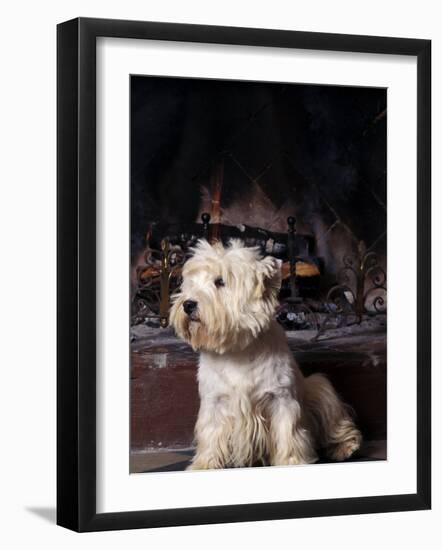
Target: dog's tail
{"x":330,"y":419}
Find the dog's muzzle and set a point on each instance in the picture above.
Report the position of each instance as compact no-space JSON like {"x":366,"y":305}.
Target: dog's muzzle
{"x":190,"y":306}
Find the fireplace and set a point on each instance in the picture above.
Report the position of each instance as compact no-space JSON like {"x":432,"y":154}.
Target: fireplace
{"x":299,"y":171}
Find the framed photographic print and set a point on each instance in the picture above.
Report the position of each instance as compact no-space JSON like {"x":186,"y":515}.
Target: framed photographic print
{"x":234,"y":207}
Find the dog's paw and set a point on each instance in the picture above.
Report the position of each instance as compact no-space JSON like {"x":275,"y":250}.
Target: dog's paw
{"x":203,"y":464}
{"x":195,"y":466}
{"x":295,"y":460}
{"x":345,"y":449}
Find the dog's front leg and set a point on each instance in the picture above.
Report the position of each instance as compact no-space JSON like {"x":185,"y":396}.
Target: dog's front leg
{"x":212,"y":438}
{"x":290,"y":442}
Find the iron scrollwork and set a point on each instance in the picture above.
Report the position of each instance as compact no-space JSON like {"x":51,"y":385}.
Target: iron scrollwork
{"x":157,"y":278}
{"x":160,"y":275}
{"x":361,"y":288}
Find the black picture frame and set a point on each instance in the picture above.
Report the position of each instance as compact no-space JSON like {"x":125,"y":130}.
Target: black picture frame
{"x":76,"y":273}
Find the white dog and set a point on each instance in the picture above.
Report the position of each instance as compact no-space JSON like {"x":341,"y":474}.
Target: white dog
{"x":256,"y":406}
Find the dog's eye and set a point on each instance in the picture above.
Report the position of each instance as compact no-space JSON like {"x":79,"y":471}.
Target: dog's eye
{"x":219,"y":282}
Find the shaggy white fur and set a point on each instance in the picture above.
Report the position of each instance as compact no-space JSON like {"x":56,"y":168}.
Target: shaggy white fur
{"x":256,"y":406}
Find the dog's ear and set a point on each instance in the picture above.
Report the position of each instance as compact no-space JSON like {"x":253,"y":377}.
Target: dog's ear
{"x":270,"y":276}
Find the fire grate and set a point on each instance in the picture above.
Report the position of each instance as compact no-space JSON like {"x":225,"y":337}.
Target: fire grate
{"x":360,"y":288}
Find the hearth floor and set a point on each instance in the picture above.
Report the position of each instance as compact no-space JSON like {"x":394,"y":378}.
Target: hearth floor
{"x":178,"y":460}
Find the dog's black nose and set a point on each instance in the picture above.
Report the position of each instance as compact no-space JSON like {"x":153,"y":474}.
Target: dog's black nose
{"x":189,"y":306}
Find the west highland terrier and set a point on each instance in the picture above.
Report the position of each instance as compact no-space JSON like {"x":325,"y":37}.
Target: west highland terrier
{"x":256,"y":406}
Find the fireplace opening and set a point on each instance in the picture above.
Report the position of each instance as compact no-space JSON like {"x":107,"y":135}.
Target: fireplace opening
{"x":222,"y":160}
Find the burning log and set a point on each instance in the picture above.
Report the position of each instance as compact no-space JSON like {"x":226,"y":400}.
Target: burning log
{"x":303,"y":269}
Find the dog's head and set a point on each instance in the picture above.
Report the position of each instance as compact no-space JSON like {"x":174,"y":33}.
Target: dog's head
{"x":227,"y":297}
